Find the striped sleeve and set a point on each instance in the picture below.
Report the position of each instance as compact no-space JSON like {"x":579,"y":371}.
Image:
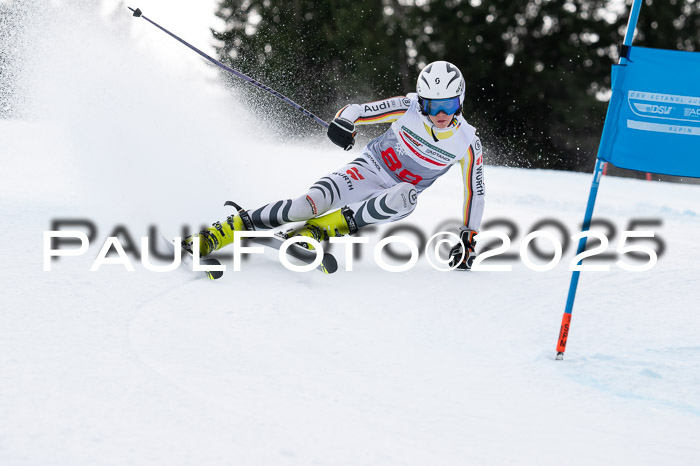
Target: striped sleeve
{"x":474,"y":189}
{"x":381,"y":111}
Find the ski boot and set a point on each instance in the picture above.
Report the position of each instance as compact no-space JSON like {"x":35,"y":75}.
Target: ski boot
{"x":220,"y":234}
{"x":338,"y":223}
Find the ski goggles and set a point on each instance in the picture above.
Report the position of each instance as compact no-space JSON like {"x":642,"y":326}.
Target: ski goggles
{"x":434,"y":106}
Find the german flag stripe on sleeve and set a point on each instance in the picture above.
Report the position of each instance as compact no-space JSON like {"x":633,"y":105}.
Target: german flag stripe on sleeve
{"x":341,"y":111}
{"x":383,"y":116}
{"x":468,"y":192}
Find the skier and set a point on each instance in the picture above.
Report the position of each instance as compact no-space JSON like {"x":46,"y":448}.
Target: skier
{"x":427,"y":136}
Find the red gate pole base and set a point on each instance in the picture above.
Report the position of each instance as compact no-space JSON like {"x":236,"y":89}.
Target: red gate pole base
{"x":563,"y":335}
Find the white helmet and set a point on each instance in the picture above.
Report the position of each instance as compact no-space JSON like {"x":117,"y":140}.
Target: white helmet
{"x":440,"y":81}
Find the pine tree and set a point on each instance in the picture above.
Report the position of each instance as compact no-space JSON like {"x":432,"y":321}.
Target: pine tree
{"x":322,"y":54}
{"x":669,"y":24}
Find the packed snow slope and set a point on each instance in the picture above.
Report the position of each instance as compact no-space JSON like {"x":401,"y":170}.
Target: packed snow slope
{"x":271,"y":367}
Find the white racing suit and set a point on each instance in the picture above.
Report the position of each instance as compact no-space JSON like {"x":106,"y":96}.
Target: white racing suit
{"x":383,"y":184}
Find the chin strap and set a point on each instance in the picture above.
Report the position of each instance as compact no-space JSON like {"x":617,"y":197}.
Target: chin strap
{"x":432,"y":133}
{"x":429,"y":126}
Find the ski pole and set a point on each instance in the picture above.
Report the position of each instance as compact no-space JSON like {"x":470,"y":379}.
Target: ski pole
{"x":138,"y":14}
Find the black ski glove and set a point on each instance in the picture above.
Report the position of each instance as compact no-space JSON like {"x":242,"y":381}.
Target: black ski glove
{"x":342,"y":133}
{"x":467,"y":241}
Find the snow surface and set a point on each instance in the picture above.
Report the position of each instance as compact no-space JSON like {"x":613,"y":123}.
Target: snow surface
{"x":271,"y":367}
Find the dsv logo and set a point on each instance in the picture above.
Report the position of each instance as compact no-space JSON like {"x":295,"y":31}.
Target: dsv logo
{"x":658,"y":109}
